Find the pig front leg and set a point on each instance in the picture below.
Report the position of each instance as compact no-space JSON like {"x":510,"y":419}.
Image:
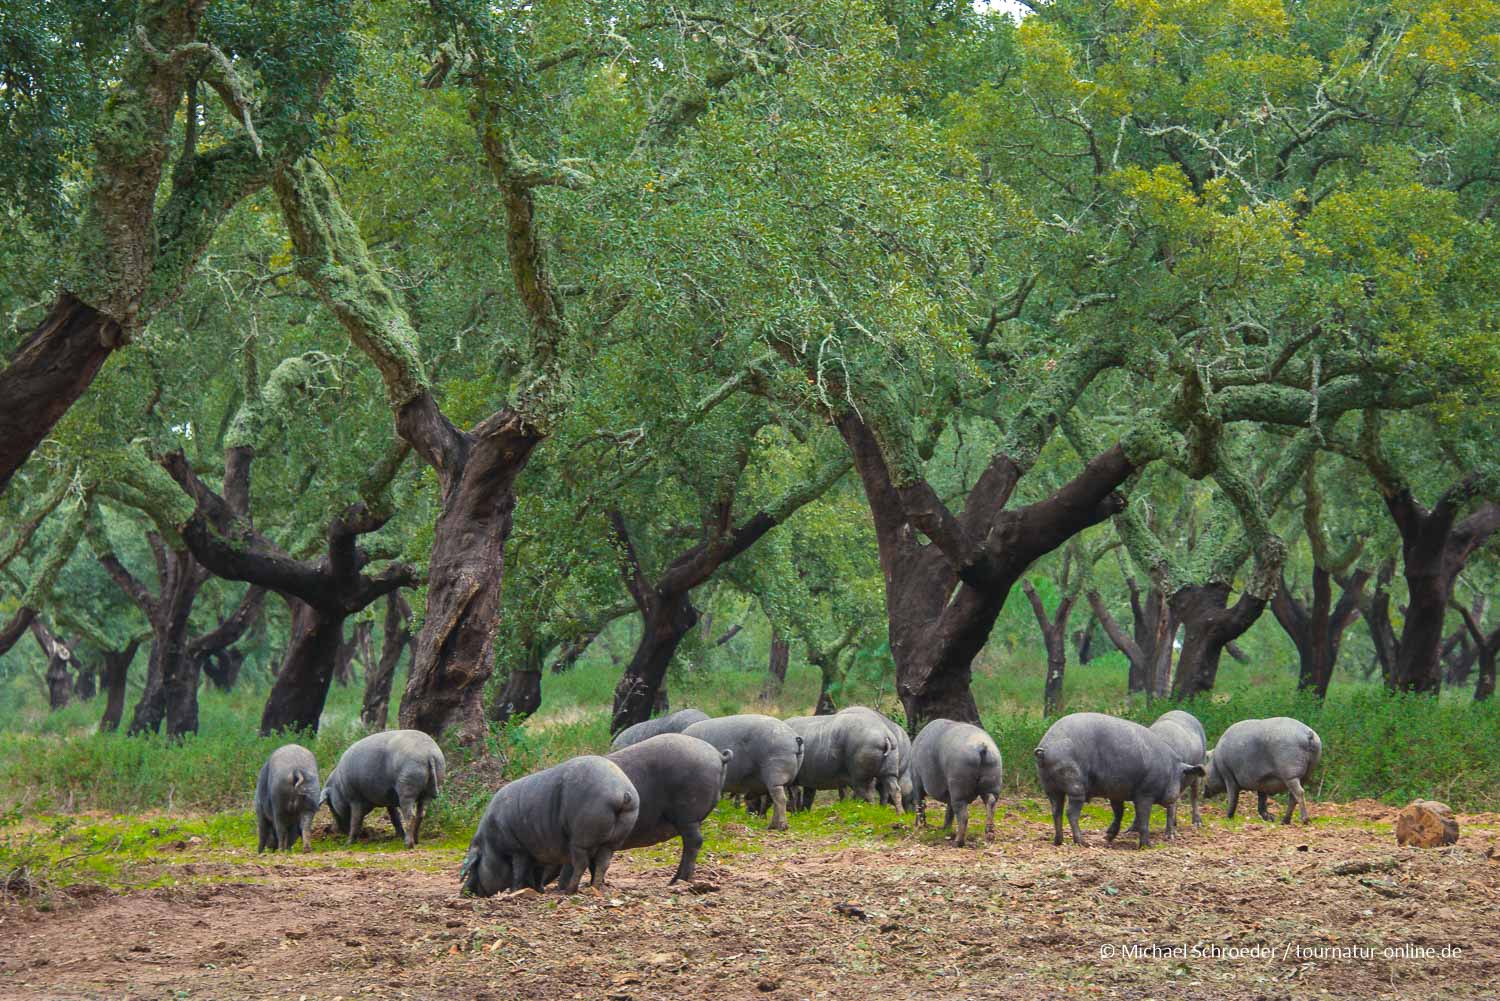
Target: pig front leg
{"x":1143,"y":821}
{"x":778,"y":814}
{"x":692,"y":843}
{"x":1118,"y":806}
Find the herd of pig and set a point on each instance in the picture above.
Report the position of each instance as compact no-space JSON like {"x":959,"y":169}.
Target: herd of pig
{"x":665,"y":776}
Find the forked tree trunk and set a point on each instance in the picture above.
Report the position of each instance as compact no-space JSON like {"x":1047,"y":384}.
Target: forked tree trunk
{"x":1435,"y":547}
{"x":1209,"y":625}
{"x":301,"y":687}
{"x":47,"y":374}
{"x":171,"y":691}
{"x":116,"y":673}
{"x":396,"y":635}
{"x":1317,"y":630}
{"x":942,"y":597}
{"x":1055,"y":641}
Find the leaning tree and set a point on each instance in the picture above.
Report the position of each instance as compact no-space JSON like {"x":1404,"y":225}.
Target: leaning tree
{"x":131,"y":132}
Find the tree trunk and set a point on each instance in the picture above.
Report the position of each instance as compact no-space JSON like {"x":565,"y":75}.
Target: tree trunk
{"x":1210,"y":625}
{"x":827,"y":675}
{"x":13,"y":630}
{"x":397,"y":634}
{"x":59,"y":684}
{"x":301,"y":687}
{"x":151,"y":707}
{"x":664,"y":623}
{"x":942,"y":597}
{"x":222,"y":668}
{"x":781,"y":654}
{"x":85,"y":680}
{"x":47,"y":374}
{"x":1434,"y":550}
{"x":1318,"y":631}
{"x":116,"y":673}
{"x":217,"y":658}
{"x":1055,"y":640}
{"x":356,"y":646}
{"x":453,"y":655}
{"x":1484,"y":685}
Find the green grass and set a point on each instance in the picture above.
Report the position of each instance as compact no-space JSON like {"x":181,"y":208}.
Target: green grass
{"x":1392,"y":749}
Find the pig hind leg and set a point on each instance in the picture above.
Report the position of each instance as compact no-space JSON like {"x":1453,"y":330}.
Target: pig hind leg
{"x":266,"y":835}
{"x":990,"y":799}
{"x":578,"y":864}
{"x":961,"y":811}
{"x":1296,"y":799}
{"x":599,"y":866}
{"x":692,"y":842}
{"x":1261,"y":800}
{"x":1057,"y":799}
{"x":1118,"y":806}
{"x":1075,"y":807}
{"x":356,"y":820}
{"x":778,"y":813}
{"x":395,"y":812}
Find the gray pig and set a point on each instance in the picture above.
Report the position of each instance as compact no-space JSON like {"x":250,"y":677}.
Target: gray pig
{"x":401,"y":770}
{"x":767,"y":756}
{"x":1266,"y":756}
{"x":955,"y":763}
{"x":1184,"y":734}
{"x":895,"y":777}
{"x":671,"y":723}
{"x":678,"y":779}
{"x":849,"y":749}
{"x":572,"y":815}
{"x":1090,"y":754}
{"x":286,"y":798}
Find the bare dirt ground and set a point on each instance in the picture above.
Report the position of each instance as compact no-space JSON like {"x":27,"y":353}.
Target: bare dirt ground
{"x":888,"y":915}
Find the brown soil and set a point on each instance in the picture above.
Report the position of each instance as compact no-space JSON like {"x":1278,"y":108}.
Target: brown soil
{"x":803,"y":918}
